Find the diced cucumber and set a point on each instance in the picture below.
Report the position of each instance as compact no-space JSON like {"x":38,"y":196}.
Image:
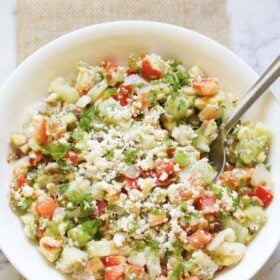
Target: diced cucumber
{"x":177,"y":107}
{"x":64,"y":91}
{"x":241,"y":232}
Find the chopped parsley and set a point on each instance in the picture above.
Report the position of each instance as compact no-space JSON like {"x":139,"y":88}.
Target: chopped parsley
{"x":110,"y":91}
{"x":26,"y":204}
{"x":191,"y":216}
{"x":130,"y":156}
{"x":76,"y":197}
{"x":85,"y":232}
{"x":86,"y":206}
{"x":110,"y":154}
{"x":219,"y":122}
{"x":157,"y":212}
{"x":174,"y":63}
{"x":176,"y":80}
{"x":217,"y":192}
{"x":87,"y":117}
{"x":63,"y":187}
{"x":268,"y":167}
{"x":178,"y":271}
{"x":92,"y":228}
{"x":52,"y":230}
{"x":181,"y":158}
{"x":183,"y":207}
{"x":168,"y":143}
{"x":56,"y":150}
{"x":153,"y":245}
{"x":77,"y":135}
{"x":223,"y":215}
{"x":65,"y":167}
{"x":139,"y":246}
{"x":179,"y":247}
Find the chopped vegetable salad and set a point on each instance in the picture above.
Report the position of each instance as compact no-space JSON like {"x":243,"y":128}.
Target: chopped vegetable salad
{"x":112,"y":177}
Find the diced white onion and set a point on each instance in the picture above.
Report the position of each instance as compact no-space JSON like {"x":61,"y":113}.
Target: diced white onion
{"x":131,"y":171}
{"x":134,"y":80}
{"x":96,"y":90}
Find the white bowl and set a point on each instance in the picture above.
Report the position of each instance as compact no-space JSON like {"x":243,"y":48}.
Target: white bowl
{"x":118,"y":39}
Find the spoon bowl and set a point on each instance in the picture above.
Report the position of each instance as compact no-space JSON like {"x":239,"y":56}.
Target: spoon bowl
{"x":217,"y":149}
{"x":217,"y":153}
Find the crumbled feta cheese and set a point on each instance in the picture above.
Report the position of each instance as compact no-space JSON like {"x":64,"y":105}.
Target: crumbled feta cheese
{"x":83,"y":101}
{"x":126,"y":223}
{"x":184,"y":134}
{"x":163,"y":176}
{"x":27,"y":191}
{"x":119,"y":239}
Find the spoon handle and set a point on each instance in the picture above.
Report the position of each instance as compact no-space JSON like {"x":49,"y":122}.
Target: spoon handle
{"x":261,"y":85}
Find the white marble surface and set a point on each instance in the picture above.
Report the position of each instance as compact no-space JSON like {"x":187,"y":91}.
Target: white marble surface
{"x":255,"y":38}
{"x":256,"y":33}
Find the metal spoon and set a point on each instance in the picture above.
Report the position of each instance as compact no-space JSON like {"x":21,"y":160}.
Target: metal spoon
{"x":217,"y":149}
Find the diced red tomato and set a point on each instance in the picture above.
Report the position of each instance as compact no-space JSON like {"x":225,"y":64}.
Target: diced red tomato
{"x":110,"y":69}
{"x":153,"y":173}
{"x":127,"y":89}
{"x":21,"y":180}
{"x":113,"y":260}
{"x":215,"y":227}
{"x":264,"y":195}
{"x":57,"y":129}
{"x":170,"y":151}
{"x":205,"y":86}
{"x":164,"y":166}
{"x":122,"y":94}
{"x":148,"y":72}
{"x":121,"y":98}
{"x":148,"y":173}
{"x":115,"y":273}
{"x":130,"y":72}
{"x":132,"y":183}
{"x":232,"y":183}
{"x":73,"y":158}
{"x":199,"y":239}
{"x":205,"y":203}
{"x":228,"y":179}
{"x":185,"y":194}
{"x":46,"y":208}
{"x":41,"y":133}
{"x":228,"y":167}
{"x":110,"y":66}
{"x":164,"y":269}
{"x":142,"y":102}
{"x":101,"y":207}
{"x":188,"y":228}
{"x":234,"y":177}
{"x":36,"y":159}
{"x":166,"y":182}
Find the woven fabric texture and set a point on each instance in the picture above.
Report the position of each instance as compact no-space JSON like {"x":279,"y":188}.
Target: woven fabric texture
{"x":40,"y":21}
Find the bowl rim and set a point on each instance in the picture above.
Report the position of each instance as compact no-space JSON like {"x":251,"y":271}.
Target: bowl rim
{"x":70,"y":36}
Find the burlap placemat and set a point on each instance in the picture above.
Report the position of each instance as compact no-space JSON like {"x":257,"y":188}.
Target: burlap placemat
{"x":40,"y":21}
